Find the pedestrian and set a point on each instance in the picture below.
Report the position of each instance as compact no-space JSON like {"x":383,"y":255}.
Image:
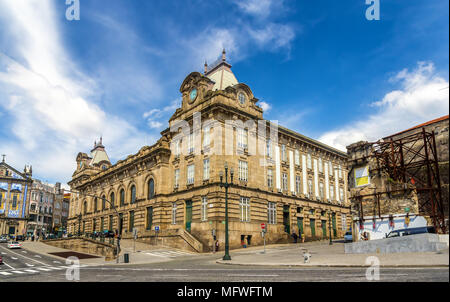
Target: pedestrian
{"x":217,"y":245}
{"x":300,"y":237}
{"x":294,"y":235}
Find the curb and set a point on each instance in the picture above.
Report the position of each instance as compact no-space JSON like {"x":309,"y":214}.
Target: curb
{"x":333,"y":265}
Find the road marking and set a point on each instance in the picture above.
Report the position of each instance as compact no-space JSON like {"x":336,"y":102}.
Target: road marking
{"x":27,"y":264}
{"x":253,"y":275}
{"x":28,"y":258}
{"x":13,"y":258}
{"x":37,"y":256}
{"x":24,"y":252}
{"x":5,"y":273}
{"x":31,"y":271}
{"x":55,"y":268}
{"x":59,"y":262}
{"x":3,"y":253}
{"x":43,"y":269}
{"x":8,"y":265}
{"x":18,"y":272}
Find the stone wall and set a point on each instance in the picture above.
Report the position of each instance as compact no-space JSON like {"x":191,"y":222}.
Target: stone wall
{"x":84,"y":245}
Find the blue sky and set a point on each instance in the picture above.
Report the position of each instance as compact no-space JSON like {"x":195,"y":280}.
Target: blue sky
{"x":318,"y":67}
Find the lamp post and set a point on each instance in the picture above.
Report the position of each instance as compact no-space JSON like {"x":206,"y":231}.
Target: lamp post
{"x":226,"y":185}
{"x":79,"y":225}
{"x":329,"y":225}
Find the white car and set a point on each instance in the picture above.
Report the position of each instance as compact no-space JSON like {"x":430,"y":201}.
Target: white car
{"x":14,"y":245}
{"x":348,"y":237}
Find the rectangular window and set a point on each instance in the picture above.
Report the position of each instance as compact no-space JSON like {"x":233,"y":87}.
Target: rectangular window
{"x":204,"y":208}
{"x":283,"y":153}
{"x":309,"y":162}
{"x":310,"y":187}
{"x":110,"y":222}
{"x":272,"y":213}
{"x":321,"y":191}
{"x":206,"y":169}
{"x":331,"y":192}
{"x":244,"y":207}
{"x":206,"y":136}
{"x":340,"y":172}
{"x":320,"y":165}
{"x":297,"y":158}
{"x":242,"y":138}
{"x":269,"y":148}
{"x":149,"y":218}
{"x":284,"y":182}
{"x":177,"y":146}
{"x":297,"y":184}
{"x":177,"y":178}
{"x":102,"y":224}
{"x":330,"y":167}
{"x":344,"y":222}
{"x":243,"y":170}
{"x":174,"y":213}
{"x":131,"y":222}
{"x":341,"y":194}
{"x":190,"y":174}
{"x":270,"y":178}
{"x":191,"y":143}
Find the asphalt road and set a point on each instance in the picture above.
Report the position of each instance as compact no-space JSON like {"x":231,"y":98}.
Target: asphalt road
{"x":197,"y":268}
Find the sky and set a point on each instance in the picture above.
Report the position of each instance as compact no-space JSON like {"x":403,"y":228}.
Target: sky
{"x":318,"y":67}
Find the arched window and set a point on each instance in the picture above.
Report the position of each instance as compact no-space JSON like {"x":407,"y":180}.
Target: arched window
{"x":122,"y":197}
{"x":103,"y":202}
{"x":111,"y":198}
{"x":95,"y":204}
{"x":84,"y":207}
{"x":151,"y":188}
{"x":133,"y":194}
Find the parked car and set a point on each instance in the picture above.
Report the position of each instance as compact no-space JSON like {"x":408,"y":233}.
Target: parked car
{"x":3,"y":239}
{"x":412,"y":231}
{"x":14,"y":245}
{"x":20,"y":238}
{"x":348,"y":237}
{"x":1,"y":260}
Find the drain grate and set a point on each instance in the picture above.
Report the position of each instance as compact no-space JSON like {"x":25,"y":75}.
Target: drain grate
{"x":73,"y":254}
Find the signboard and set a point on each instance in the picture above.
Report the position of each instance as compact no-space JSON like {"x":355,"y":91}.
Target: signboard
{"x":157,"y":228}
{"x":263,"y":226}
{"x":362,"y":176}
{"x":135,"y":231}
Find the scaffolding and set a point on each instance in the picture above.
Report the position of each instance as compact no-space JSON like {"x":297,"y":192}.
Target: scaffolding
{"x":413,"y":159}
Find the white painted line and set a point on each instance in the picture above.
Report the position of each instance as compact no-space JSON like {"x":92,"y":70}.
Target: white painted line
{"x":55,"y":268}
{"x":5,"y":273}
{"x":18,"y":272}
{"x":27,"y":257}
{"x":59,"y":262}
{"x":13,"y":258}
{"x":27,"y":264}
{"x":31,"y":271}
{"x":24,"y":252}
{"x":3,"y":253}
{"x":253,"y":275}
{"x":43,"y":269}
{"x":8,"y":265}
{"x":151,"y":254}
{"x":37,"y":256}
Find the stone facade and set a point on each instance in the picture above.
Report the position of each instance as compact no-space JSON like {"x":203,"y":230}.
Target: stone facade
{"x":289,"y":181}
{"x":14,"y":199}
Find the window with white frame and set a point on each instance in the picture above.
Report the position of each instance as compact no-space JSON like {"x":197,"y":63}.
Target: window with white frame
{"x":330,"y":168}
{"x":283,"y":153}
{"x":243,"y":170}
{"x":191,"y":143}
{"x":344,"y":222}
{"x":206,"y":136}
{"x":269,"y":147}
{"x":297,"y":158}
{"x":242,"y":138}
{"x":244,"y":207}
{"x":174,"y":213}
{"x":298,"y":183}
{"x":331,"y":191}
{"x":190,"y":174}
{"x":177,"y":150}
{"x":270,"y":178}
{"x":309,"y":162}
{"x":340,"y":171}
{"x":177,"y":178}
{"x":206,"y":169}
{"x":284,"y":182}
{"x":341,"y":194}
{"x":320,"y":165}
{"x":321,"y":191}
{"x":272,"y":213}
{"x":310,"y":187}
{"x":204,"y":208}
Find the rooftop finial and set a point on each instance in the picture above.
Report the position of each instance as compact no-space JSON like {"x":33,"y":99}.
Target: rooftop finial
{"x":223,"y":55}
{"x":3,"y":160}
{"x":101,"y":139}
{"x":206,"y":67}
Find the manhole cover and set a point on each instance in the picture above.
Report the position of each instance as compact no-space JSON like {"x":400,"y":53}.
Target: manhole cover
{"x":73,"y":254}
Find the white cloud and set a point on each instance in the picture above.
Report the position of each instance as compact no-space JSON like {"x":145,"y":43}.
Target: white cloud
{"x":259,"y":8}
{"x":48,"y":98}
{"x":419,"y":99}
{"x":265,"y":106}
{"x":156,"y":118}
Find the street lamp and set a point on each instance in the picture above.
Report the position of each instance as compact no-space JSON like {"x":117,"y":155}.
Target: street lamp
{"x":226,"y":185}
{"x":79,"y":225}
{"x":329,"y":225}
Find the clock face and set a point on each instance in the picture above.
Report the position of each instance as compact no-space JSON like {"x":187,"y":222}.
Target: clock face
{"x":193,"y":94}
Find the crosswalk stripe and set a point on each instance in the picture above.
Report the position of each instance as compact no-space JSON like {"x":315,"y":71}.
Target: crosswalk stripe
{"x":5,"y":273}
{"x":43,"y":269}
{"x":27,"y":264}
{"x":37,"y":256}
{"x":31,"y":271}
{"x":18,"y":272}
{"x":55,"y":268}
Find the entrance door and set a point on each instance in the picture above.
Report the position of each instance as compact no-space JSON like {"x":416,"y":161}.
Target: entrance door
{"x":300,"y":224}
{"x":188,"y":215}
{"x":286,"y":222}
{"x":120,"y":223}
{"x":333,"y":221}
{"x":324,"y":228}
{"x":312,"y":223}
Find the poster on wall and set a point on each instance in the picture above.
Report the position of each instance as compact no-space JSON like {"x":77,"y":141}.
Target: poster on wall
{"x":362,"y":176}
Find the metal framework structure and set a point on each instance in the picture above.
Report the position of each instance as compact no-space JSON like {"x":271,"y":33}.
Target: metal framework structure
{"x":413,"y":158}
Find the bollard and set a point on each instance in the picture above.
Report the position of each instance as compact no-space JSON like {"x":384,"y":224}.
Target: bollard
{"x":126,"y":258}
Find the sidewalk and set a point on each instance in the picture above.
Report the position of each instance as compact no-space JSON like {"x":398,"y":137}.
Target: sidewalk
{"x":325,"y":255}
